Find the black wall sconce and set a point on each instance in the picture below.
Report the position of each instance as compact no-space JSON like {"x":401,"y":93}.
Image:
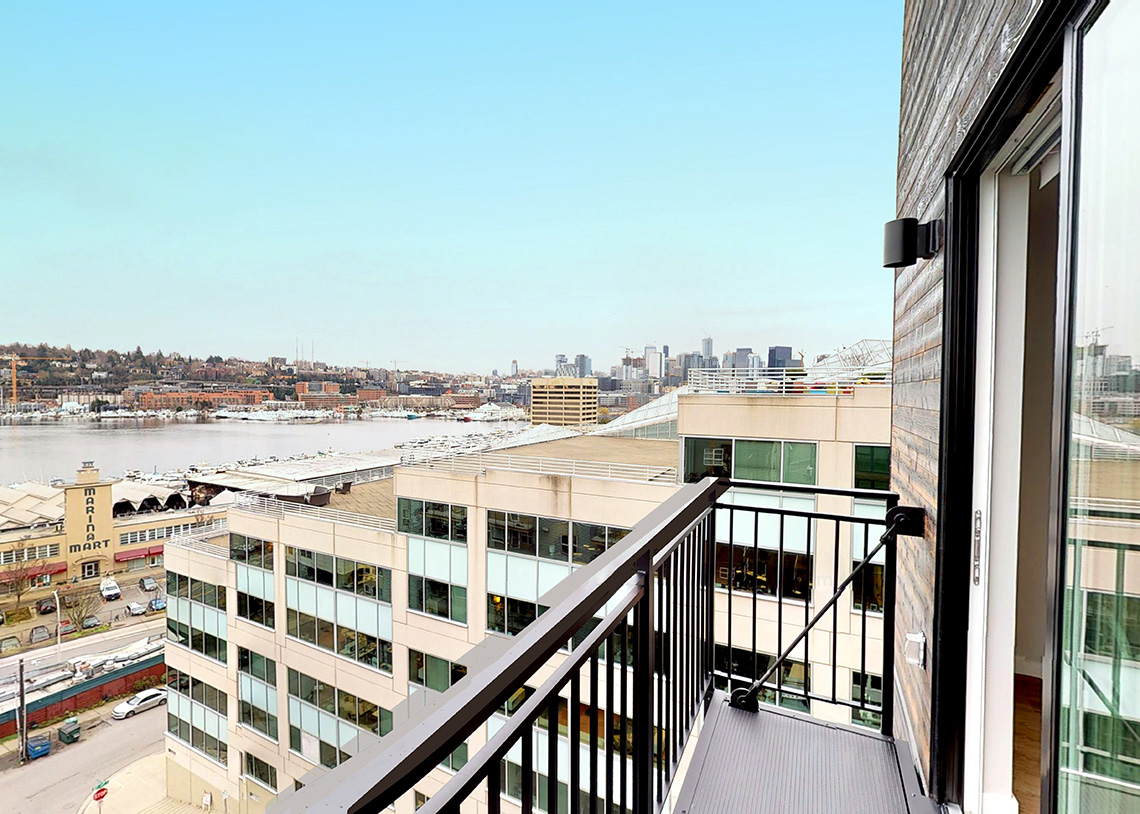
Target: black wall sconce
{"x":905,"y":240}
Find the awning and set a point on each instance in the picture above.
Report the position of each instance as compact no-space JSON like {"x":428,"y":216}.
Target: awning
{"x":123,"y":556}
{"x":38,"y":570}
{"x":154,"y":549}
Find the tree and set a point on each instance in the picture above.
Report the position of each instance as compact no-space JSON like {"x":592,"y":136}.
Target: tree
{"x":19,"y":573}
{"x":99,"y":405}
{"x":79,"y":604}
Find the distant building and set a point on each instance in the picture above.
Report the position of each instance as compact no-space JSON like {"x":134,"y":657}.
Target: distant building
{"x":755,"y":361}
{"x":559,"y":359}
{"x":370,"y":394}
{"x":190,"y":398}
{"x":780,"y":356}
{"x":514,"y":367}
{"x":564,"y":401}
{"x":277,"y":361}
{"x":707,"y":347}
{"x":583,"y":365}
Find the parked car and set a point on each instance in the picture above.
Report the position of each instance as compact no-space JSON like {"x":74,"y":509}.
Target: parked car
{"x":90,"y":622}
{"x":157,"y":604}
{"x":138,"y":702}
{"x":148,"y":584}
{"x":45,"y":605}
{"x":110,"y":590}
{"x":135,"y":609}
{"x":66,"y":626}
{"x":39,"y":634}
{"x":9,"y":643}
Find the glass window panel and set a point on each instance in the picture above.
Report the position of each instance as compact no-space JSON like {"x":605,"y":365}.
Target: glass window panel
{"x":436,"y":599}
{"x":410,"y":516}
{"x":521,"y":537}
{"x":705,"y":457}
{"x":346,"y":642}
{"x":496,"y":530}
{"x":326,"y":637}
{"x":345,"y":574}
{"x":438,"y":674}
{"x":324,"y":564}
{"x":799,"y":462}
{"x":757,"y":460}
{"x":589,"y":542}
{"x":496,"y":613}
{"x":417,"y":668}
{"x":306,"y":565}
{"x":415,"y":592}
{"x":365,"y":579}
{"x":459,"y":524}
{"x":872,"y":467}
{"x":459,"y":604}
{"x":346,"y":706}
{"x":520,"y":614}
{"x":554,"y":539}
{"x":384,"y":585}
{"x":437,"y":520}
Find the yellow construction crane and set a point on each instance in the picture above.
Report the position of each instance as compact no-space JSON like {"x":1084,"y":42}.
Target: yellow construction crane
{"x":13,"y":359}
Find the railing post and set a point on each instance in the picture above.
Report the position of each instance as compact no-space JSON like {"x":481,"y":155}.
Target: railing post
{"x":889,"y":552}
{"x":644,"y":665}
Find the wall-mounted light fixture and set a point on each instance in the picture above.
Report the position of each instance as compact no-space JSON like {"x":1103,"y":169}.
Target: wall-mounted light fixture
{"x":905,"y":240}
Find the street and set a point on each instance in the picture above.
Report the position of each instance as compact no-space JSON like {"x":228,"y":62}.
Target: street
{"x":96,"y":643}
{"x":60,"y":782}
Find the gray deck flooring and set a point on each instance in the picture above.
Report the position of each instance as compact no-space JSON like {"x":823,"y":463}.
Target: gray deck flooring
{"x":773,"y":762}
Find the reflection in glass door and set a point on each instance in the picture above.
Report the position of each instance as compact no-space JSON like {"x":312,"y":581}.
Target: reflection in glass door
{"x":1099,"y":717}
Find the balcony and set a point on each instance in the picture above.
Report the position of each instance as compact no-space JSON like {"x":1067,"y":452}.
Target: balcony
{"x":271,"y":507}
{"x":631,"y":698}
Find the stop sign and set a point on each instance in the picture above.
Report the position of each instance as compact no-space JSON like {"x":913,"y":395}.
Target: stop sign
{"x":99,"y":794}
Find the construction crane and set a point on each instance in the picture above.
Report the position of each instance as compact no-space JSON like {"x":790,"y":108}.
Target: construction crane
{"x":13,"y":359}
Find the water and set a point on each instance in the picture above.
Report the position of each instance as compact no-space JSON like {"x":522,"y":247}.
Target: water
{"x":55,"y":450}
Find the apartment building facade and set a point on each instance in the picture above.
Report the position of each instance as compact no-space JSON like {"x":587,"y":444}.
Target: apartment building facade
{"x":334,"y":619}
{"x":564,"y":401}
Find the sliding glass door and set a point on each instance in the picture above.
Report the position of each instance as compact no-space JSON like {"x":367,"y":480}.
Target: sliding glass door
{"x":1098,"y":719}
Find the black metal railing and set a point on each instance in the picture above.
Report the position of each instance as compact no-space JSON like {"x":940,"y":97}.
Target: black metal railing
{"x":621,"y":705}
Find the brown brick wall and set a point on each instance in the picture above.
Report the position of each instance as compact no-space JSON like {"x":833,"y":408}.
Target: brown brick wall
{"x":953,"y":53}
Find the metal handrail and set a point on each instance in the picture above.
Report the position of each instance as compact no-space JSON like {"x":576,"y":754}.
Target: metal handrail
{"x":390,"y":768}
{"x":480,"y":462}
{"x":781,"y":381}
{"x":200,"y":542}
{"x":260,"y":504}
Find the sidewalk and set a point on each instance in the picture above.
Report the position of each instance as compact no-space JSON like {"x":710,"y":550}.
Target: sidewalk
{"x":88,"y":720}
{"x":139,"y":788}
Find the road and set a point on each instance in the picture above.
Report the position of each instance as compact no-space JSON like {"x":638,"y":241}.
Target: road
{"x":60,"y":782}
{"x":95,"y":643}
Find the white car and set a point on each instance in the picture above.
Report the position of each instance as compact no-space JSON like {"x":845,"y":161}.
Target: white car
{"x":135,"y":609}
{"x":110,"y":590}
{"x":138,"y":702}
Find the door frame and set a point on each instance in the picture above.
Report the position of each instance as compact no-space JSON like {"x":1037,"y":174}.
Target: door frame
{"x":1037,"y":58}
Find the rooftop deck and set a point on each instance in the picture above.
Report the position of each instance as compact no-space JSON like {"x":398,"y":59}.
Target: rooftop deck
{"x":377,"y":498}
{"x":587,"y":456}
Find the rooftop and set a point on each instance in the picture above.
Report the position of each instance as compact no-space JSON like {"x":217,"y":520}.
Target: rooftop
{"x":377,"y":498}
{"x":324,"y":466}
{"x":606,"y":449}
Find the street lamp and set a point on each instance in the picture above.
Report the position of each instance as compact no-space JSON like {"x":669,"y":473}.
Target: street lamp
{"x":58,"y":627}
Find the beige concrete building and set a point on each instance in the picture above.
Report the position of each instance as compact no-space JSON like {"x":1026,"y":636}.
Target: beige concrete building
{"x":92,"y":528}
{"x":563,"y":401}
{"x":320,"y":627}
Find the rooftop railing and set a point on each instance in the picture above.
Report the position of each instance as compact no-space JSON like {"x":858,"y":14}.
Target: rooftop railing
{"x":781,"y":381}
{"x":479,"y":462}
{"x":260,"y":504}
{"x":200,"y":542}
{"x":613,"y":717}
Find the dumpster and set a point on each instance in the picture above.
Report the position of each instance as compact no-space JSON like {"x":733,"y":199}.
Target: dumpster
{"x":38,"y":746}
{"x":69,"y":732}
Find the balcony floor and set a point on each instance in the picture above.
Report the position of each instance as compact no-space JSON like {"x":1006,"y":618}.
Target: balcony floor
{"x":776,"y":761}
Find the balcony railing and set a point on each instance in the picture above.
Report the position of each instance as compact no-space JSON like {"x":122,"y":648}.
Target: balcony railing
{"x":201,"y":542}
{"x":644,"y":667}
{"x":479,"y":462}
{"x":259,"y":504}
{"x":780,"y":381}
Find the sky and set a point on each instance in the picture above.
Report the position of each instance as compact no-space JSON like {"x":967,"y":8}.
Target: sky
{"x":453,"y":185}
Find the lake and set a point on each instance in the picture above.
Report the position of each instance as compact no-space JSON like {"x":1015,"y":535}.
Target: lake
{"x":56,"y":449}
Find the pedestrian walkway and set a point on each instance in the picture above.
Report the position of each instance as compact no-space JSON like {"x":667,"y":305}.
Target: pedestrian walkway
{"x":139,"y":788}
{"x":88,"y":720}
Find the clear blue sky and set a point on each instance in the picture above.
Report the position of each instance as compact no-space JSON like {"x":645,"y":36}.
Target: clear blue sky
{"x":454,"y":185}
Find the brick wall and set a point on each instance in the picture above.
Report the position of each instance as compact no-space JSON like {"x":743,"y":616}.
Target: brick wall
{"x":953,"y":53}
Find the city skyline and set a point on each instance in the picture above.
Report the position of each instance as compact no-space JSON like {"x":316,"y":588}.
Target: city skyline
{"x":447,"y":189}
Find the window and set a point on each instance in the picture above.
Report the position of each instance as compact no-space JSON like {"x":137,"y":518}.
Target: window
{"x":1112,"y":625}
{"x":309,"y":697}
{"x":181,"y":592}
{"x":432,"y":672}
{"x":90,"y":569}
{"x":437,"y":578}
{"x":874,"y":696}
{"x":775,"y":461}
{"x":707,"y":457}
{"x":747,"y":666}
{"x":872,"y":467}
{"x":752,"y":562}
{"x":255,"y":609}
{"x":258,"y":666}
{"x":261,"y":771}
{"x":410,"y":516}
{"x":252,"y":551}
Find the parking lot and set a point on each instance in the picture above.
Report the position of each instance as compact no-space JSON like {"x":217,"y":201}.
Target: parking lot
{"x":112,"y":614}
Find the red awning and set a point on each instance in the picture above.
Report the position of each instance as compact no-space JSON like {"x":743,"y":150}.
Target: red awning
{"x":38,"y":570}
{"x":123,"y":556}
{"x":154,"y":549}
